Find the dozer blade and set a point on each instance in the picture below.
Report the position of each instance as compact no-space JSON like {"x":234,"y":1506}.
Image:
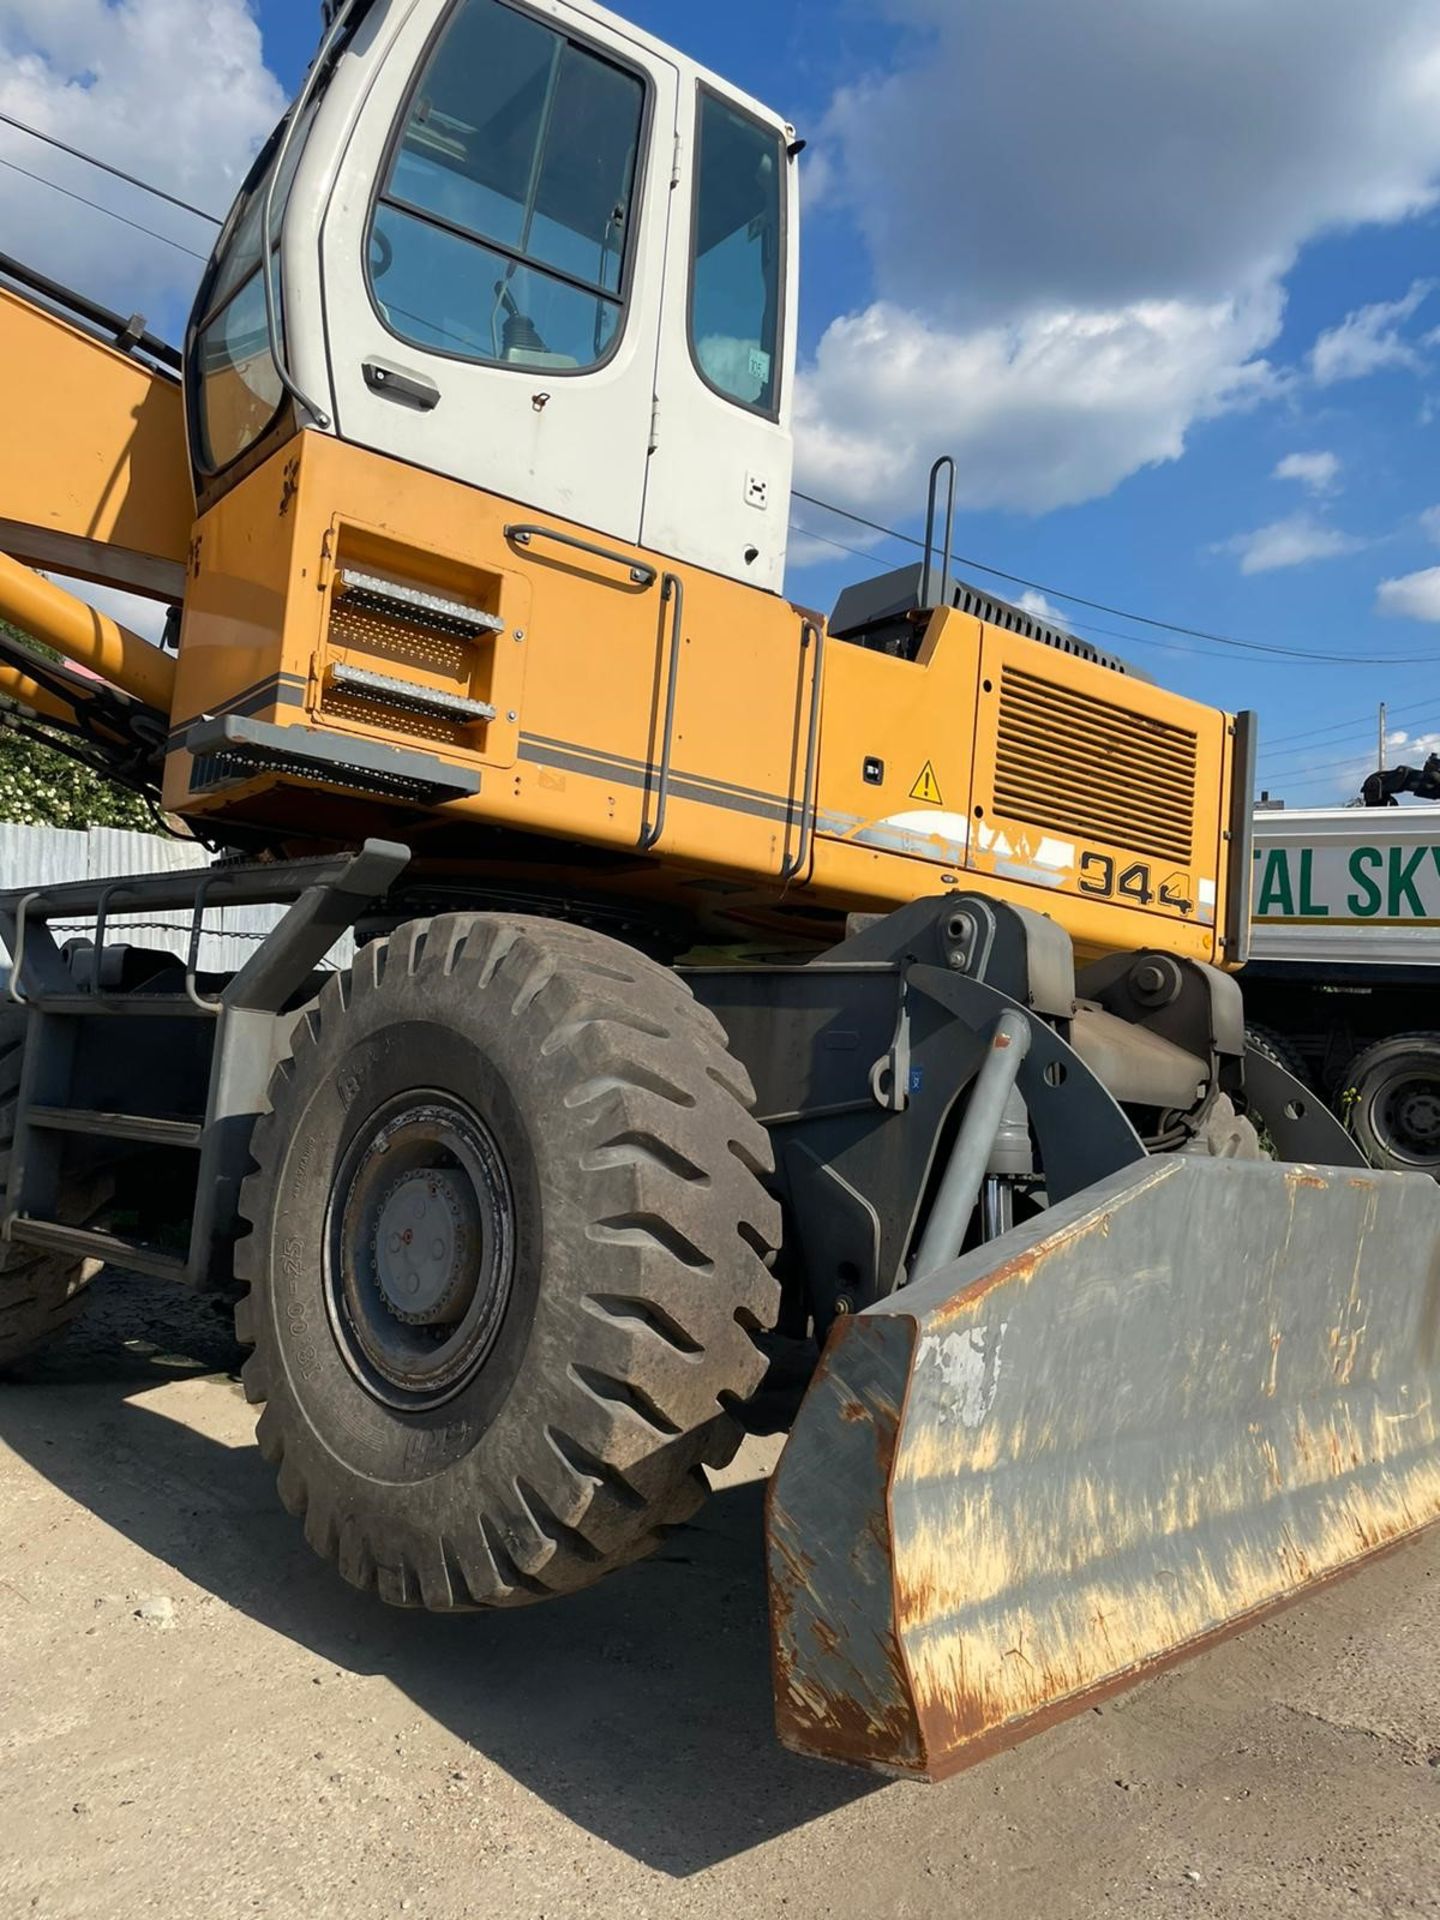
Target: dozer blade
{"x":1188,"y":1396}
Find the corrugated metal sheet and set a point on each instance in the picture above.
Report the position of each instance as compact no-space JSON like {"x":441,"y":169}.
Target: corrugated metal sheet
{"x":48,"y":856}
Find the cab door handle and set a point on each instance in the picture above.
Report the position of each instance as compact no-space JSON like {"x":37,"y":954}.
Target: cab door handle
{"x":398,"y":384}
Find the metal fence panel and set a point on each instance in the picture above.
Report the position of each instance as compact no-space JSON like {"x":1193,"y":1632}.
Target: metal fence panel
{"x":48,"y":856}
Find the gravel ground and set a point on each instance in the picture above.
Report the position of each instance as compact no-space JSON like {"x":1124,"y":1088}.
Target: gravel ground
{"x":197,"y":1719}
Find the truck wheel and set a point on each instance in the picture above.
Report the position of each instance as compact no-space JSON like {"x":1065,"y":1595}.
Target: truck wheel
{"x":509,"y":1248}
{"x":40,"y":1293}
{"x":1393,"y":1095}
{"x":1276,"y":1047}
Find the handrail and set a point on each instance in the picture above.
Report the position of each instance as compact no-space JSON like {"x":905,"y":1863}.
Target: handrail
{"x":673,"y":591}
{"x":809,"y":805}
{"x":641,"y":575}
{"x":928,"y":596}
{"x":17,"y":958}
{"x":192,"y":955}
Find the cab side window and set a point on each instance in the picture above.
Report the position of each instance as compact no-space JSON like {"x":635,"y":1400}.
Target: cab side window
{"x":739,"y":249}
{"x":503,"y":229}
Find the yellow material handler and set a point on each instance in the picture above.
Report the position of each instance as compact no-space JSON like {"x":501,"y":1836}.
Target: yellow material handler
{"x":757,"y":1021}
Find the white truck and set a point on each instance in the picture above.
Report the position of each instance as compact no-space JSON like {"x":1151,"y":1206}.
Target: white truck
{"x":1343,"y":985}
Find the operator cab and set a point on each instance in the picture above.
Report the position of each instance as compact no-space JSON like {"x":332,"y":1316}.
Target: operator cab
{"x":520,"y":244}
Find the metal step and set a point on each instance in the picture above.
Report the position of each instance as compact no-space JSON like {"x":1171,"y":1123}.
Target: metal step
{"x":86,"y":1006}
{"x":415,"y":606}
{"x":139,"y":1127}
{"x":48,"y":1236}
{"x":388,"y":691}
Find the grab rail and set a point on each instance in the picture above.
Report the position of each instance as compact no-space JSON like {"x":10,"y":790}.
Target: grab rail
{"x":640,"y":574}
{"x":671,"y":593}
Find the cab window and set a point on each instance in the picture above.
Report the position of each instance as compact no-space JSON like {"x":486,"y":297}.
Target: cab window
{"x":503,"y":229}
{"x":235,"y":381}
{"x":736,"y":286}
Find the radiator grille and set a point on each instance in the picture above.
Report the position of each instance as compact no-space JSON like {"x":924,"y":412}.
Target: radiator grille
{"x":1080,"y":766}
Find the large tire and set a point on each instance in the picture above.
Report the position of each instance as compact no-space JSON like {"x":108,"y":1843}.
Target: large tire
{"x":41,"y":1294}
{"x":1283,"y":1052}
{"x":590,"y":1193}
{"x":1392,"y":1099}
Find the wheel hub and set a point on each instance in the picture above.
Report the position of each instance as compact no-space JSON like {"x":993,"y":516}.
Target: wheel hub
{"x":424,"y":1248}
{"x":420,"y":1251}
{"x":1417,"y":1115}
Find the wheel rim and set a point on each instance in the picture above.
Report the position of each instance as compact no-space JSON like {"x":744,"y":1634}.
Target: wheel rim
{"x":1405,"y":1112}
{"x":419,"y":1251}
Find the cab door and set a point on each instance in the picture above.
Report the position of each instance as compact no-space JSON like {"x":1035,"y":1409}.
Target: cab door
{"x":720,"y":466}
{"x":494,"y":253}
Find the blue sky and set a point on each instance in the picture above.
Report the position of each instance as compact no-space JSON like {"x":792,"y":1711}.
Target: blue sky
{"x":1113,"y":259}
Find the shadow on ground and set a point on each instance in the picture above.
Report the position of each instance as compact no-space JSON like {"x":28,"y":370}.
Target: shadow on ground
{"x":641,"y":1711}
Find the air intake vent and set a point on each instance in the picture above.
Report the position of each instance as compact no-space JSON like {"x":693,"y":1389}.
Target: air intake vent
{"x":1082,"y":767}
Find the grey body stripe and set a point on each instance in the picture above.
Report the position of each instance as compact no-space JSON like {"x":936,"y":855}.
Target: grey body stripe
{"x":685,"y":786}
{"x":635,"y":774}
{"x":288,"y":690}
{"x":610,"y":760}
{"x":280,"y":690}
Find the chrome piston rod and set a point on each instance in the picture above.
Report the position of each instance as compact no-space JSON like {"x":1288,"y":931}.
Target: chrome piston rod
{"x":950,"y":1217}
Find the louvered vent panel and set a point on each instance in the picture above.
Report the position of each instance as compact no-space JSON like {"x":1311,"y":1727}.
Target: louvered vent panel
{"x":1082,"y":767}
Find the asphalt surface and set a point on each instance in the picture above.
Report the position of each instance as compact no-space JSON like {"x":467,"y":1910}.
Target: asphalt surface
{"x":197,"y":1718}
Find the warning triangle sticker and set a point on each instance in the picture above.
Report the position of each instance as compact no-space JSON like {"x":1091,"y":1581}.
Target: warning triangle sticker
{"x":927,"y":787}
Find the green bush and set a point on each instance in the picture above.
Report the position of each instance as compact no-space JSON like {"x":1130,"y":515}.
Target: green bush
{"x":40,"y":787}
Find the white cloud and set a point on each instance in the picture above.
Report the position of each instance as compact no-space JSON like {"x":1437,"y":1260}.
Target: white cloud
{"x":1414,"y":746}
{"x":1090,"y":257}
{"x":1057,"y":408}
{"x":1039,"y":608}
{"x":1318,"y":473}
{"x":1430,"y":522}
{"x":1294,"y":542}
{"x":174,"y":91}
{"x":1370,"y":340}
{"x":1414,"y":596}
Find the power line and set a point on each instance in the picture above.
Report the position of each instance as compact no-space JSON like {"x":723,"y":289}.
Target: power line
{"x":1306,"y":776}
{"x":1355,"y":726}
{"x":95,"y":205}
{"x":1315,"y":733}
{"x":116,"y":173}
{"x":1123,"y":613}
{"x":1359,"y":734}
{"x":1084,"y":626}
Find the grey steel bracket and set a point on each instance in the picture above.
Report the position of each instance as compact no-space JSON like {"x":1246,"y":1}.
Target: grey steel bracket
{"x":1302,"y":1127}
{"x":890,"y":1075}
{"x":1022,"y":952}
{"x":253,"y":1033}
{"x":277,"y":971}
{"x":810,"y":1036}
